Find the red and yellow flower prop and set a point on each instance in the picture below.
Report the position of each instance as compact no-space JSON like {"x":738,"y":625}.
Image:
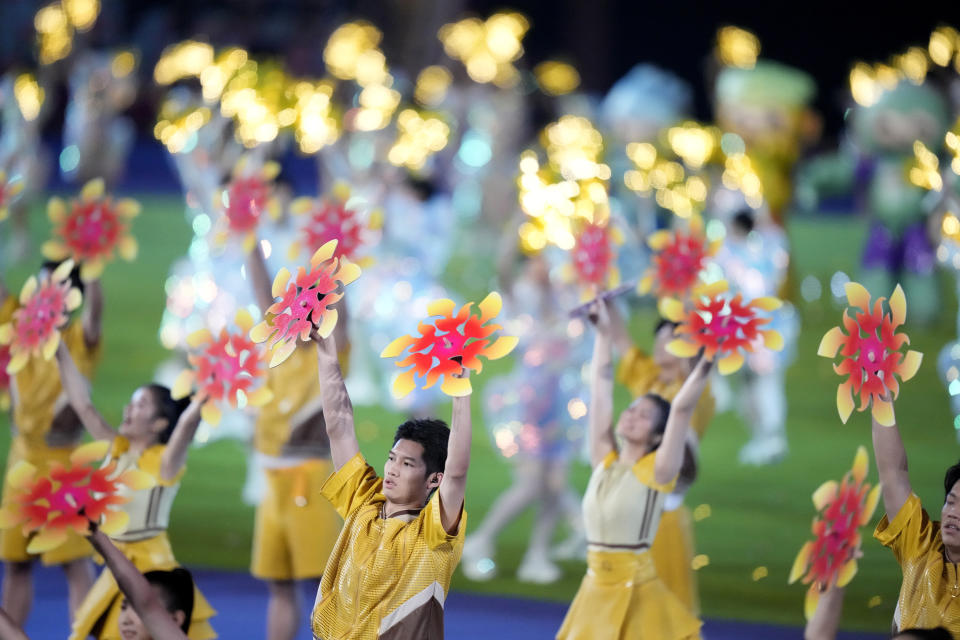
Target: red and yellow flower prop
{"x":49,"y":505}
{"x":872,"y":353}
{"x":830,"y":559}
{"x":335,"y":217}
{"x":90,"y":229}
{"x":243,"y":203}
{"x":452,"y":343}
{"x":45,"y":306}
{"x":229,"y":368}
{"x":722,"y":326}
{"x":680,"y":256}
{"x":10,"y":188}
{"x":305,"y":302}
{"x":594,"y":255}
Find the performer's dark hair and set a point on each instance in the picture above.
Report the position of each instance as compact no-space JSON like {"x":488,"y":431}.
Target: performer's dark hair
{"x":663,"y":409}
{"x":167,"y":408}
{"x":938,"y":633}
{"x":949,"y":479}
{"x":432,"y":434}
{"x":75,"y":281}
{"x":176,"y":588}
{"x":665,"y":322}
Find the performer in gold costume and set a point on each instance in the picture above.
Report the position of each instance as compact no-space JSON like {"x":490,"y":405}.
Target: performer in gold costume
{"x":153,"y":437}
{"x":389,"y":574}
{"x":621,"y":596}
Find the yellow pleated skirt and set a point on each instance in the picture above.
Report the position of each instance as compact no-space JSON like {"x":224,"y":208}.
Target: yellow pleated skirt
{"x":672,"y":552}
{"x":621,"y":598}
{"x":99,"y":613}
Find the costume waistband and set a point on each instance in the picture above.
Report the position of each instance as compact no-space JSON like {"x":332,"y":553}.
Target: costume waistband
{"x":620,"y":566}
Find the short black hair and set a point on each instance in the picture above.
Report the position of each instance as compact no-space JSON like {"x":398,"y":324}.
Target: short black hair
{"x":949,"y":479}
{"x":176,"y":587}
{"x":663,"y":408}
{"x":665,"y":322}
{"x":938,"y":633}
{"x":744,"y":221}
{"x":167,"y":408}
{"x":432,"y":434}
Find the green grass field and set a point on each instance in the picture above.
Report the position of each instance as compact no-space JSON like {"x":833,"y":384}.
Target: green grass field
{"x":760,"y":517}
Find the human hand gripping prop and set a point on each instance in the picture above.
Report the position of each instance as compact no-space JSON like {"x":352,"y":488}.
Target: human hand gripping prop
{"x":229,"y":367}
{"x":69,"y":497}
{"x":722,"y":326}
{"x":871,"y":352}
{"x":452,"y":343}
{"x":244,"y":200}
{"x":88,"y":230}
{"x":830,"y":559}
{"x":338,"y":217}
{"x":45,"y":306}
{"x":305,"y":302}
{"x":680,"y":257}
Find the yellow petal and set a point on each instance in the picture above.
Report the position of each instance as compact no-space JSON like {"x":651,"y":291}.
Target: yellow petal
{"x":772,"y":339}
{"x":396,"y":347}
{"x":811,"y":600}
{"x":280,"y":282}
{"x":17,"y":362}
{"x":46,"y":540}
{"x":767,"y":303}
{"x":90,"y":452}
{"x":645,"y":284}
{"x":270,"y":170}
{"x":6,"y":333}
{"x":328,"y":322}
{"x":898,"y":306}
{"x":713,"y":289}
{"x":54,"y":250}
{"x":861,"y":461}
{"x":261,"y":332}
{"x":671,"y":309}
{"x":128,"y":208}
{"x":50,"y":346}
{"x":376,"y":219}
{"x":800,"y":563}
{"x":281,"y":352}
{"x":403,"y":384}
{"x":730,"y":363}
{"x":91,"y":269}
{"x":456,"y":387}
{"x":442,"y":307}
{"x":199,"y":337}
{"x":348,"y":271}
{"x":681,"y":348}
{"x":182,"y":385}
{"x":490,"y":306}
{"x":74,"y":299}
{"x":858,"y":296}
{"x":210,"y":413}
{"x":137,"y":480}
{"x":870,"y":505}
{"x":21,"y":475}
{"x":659,"y":239}
{"x":501,"y":347}
{"x":323,"y":253}
{"x":830,"y":343}
{"x":293,"y":250}
{"x":92,"y":190}
{"x":243,"y":320}
{"x":301,"y":206}
{"x":825,"y":494}
{"x":29,"y":287}
{"x":115,"y":522}
{"x":909,"y":365}
{"x":249,"y":242}
{"x":883,"y":412}
{"x":260,"y":397}
{"x":845,"y":401}
{"x":62,"y":272}
{"x":128,"y":248}
{"x":614,"y":277}
{"x":847,"y":572}
{"x":56,"y":210}
{"x":341,"y":191}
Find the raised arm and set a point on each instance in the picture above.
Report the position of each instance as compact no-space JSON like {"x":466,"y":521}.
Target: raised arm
{"x":892,"y":465}
{"x":92,"y":318}
{"x":10,"y":630}
{"x":825,"y":622}
{"x":158,"y":621}
{"x":670,"y":454}
{"x":259,"y":278}
{"x":600,"y":413}
{"x":78,"y":394}
{"x":618,"y":330}
{"x":175,"y":453}
{"x":454,"y":482}
{"x":337,"y":408}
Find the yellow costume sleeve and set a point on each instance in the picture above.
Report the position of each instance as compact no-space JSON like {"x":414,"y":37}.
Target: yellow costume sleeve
{"x":644,"y":470}
{"x":433,"y":532}
{"x":351,"y":486}
{"x":703,"y":413}
{"x":7,"y":308}
{"x":636,"y":371}
{"x":911,"y":533}
{"x":150,"y":461}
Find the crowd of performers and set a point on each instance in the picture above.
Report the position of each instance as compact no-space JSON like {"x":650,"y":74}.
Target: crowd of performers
{"x":603,"y":191}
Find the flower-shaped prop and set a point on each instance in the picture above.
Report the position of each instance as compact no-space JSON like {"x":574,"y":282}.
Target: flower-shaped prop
{"x":226,"y":368}
{"x":335,"y":218}
{"x":454,"y":342}
{"x":71,"y":497}
{"x":243,"y":202}
{"x":679,"y":258}
{"x":594,"y":256}
{"x":90,"y":229}
{"x":721,"y":326}
{"x":830,"y":559}
{"x":45,"y":305}
{"x":871,"y":352}
{"x":10,"y":188}
{"x":305,"y":302}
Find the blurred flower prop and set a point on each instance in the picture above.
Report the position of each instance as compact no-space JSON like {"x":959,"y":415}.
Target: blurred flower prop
{"x":871,"y":352}
{"x":4,"y":378}
{"x":335,"y":217}
{"x":71,"y":497}
{"x":245,"y":199}
{"x":679,"y":258}
{"x":90,"y":229}
{"x":448,"y":346}
{"x":225,"y":369}
{"x":305,"y":302}
{"x":45,"y":305}
{"x":9,"y":189}
{"x":594,"y":256}
{"x":721,"y":326}
{"x":830,"y":559}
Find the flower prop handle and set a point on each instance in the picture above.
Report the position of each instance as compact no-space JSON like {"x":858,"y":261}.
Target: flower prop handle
{"x":305,"y":302}
{"x":90,"y":229}
{"x":722,"y":326}
{"x":45,"y":307}
{"x":48,"y":506}
{"x":872,"y":353}
{"x":830,"y":559}
{"x":454,"y":341}
{"x":225,"y":369}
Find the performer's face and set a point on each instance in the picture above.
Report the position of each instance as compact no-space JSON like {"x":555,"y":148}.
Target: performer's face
{"x":132,"y":627}
{"x":636,"y":423}
{"x":405,"y":479}
{"x":140,"y":416}
{"x":950,"y":518}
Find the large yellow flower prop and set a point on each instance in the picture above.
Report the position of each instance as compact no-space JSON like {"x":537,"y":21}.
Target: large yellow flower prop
{"x":305,"y":302}
{"x":453,"y":342}
{"x":830,"y":558}
{"x":721,"y":326}
{"x":871,"y":352}
{"x":48,"y":506}
{"x":45,"y":307}
{"x":90,"y":229}
{"x":225,"y":368}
